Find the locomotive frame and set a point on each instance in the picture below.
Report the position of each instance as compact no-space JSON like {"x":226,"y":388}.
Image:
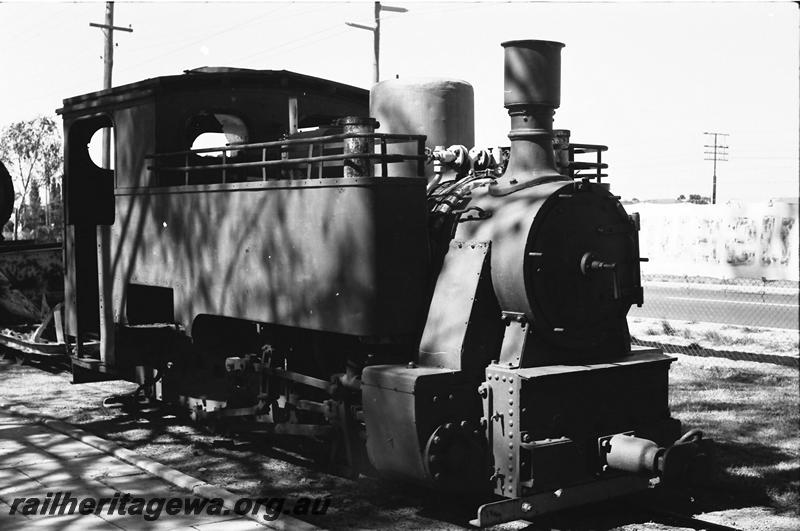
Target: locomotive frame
{"x":435,"y":332}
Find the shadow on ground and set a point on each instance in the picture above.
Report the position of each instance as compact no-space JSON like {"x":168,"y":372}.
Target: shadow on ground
{"x":752,"y":469}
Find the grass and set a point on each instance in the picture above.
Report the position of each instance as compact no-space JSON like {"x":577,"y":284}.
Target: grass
{"x":719,"y":340}
{"x":692,"y":335}
{"x":751,"y":411}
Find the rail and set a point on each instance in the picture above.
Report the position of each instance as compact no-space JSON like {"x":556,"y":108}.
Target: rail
{"x":314,"y":157}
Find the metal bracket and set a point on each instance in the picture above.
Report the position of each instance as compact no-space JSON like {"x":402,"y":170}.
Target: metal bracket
{"x":517,"y":330}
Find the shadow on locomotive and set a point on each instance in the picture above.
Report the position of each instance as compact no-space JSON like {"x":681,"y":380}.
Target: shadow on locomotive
{"x":450,"y":316}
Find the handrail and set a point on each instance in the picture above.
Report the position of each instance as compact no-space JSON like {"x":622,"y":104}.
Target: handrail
{"x":290,"y":141}
{"x":288,"y":162}
{"x":338,"y":142}
{"x":590,"y":148}
{"x":598,"y":165}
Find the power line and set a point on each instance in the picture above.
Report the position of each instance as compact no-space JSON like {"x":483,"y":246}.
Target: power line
{"x":272,"y":48}
{"x":179,"y":39}
{"x":39,"y":25}
{"x":304,"y":44}
{"x":279,"y":48}
{"x":718,"y":152}
{"x":205,"y":37}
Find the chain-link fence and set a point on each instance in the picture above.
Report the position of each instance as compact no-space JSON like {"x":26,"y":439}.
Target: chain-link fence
{"x":740,"y":319}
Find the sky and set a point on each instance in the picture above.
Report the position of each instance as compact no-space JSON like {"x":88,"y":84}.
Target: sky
{"x":645,"y":78}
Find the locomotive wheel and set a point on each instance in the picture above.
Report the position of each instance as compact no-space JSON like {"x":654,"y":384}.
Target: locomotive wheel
{"x":455,"y":456}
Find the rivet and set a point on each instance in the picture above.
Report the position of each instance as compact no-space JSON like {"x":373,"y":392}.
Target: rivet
{"x":435,"y":398}
{"x":510,"y":412}
{"x":511,"y":390}
{"x":503,"y":379}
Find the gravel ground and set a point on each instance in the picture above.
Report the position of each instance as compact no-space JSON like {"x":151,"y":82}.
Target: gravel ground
{"x":757,"y":495}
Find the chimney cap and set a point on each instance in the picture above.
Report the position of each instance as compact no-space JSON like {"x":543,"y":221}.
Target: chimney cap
{"x":532,"y":73}
{"x":530,"y":43}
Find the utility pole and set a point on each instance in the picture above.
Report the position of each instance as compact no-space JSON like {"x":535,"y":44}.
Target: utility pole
{"x":719,"y":152}
{"x":108,"y":65}
{"x":376,"y":33}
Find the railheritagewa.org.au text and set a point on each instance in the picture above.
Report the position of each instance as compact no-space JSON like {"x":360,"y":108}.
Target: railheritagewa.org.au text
{"x":64,"y":503}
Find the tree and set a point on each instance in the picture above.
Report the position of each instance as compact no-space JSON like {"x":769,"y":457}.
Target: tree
{"x":32,"y":216}
{"x":55,"y":210}
{"x":32,"y":152}
{"x":681,"y":197}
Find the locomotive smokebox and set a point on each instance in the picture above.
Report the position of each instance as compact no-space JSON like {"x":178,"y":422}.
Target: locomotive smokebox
{"x":532,"y":93}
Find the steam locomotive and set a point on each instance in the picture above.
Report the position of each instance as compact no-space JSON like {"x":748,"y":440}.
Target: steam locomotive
{"x":451,"y":316}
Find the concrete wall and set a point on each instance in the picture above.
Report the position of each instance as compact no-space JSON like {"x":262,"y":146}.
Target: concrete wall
{"x":735,"y":240}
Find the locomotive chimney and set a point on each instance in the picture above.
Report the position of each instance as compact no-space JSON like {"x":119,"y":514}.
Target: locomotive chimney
{"x":532,"y":93}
